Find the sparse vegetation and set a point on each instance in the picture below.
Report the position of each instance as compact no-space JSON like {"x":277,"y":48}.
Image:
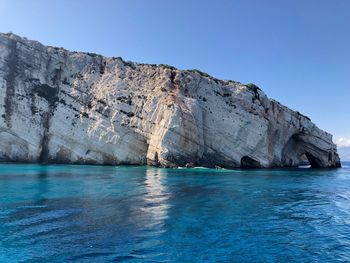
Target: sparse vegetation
{"x":84,"y":114}
{"x":93,"y":54}
{"x":217,"y":81}
{"x":200,"y":73}
{"x":167,"y":66}
{"x":130,"y":64}
{"x":253,"y":87}
{"x":129,"y":114}
{"x":255,"y":90}
{"x":227,"y":82}
{"x":303,"y":115}
{"x":102,"y":102}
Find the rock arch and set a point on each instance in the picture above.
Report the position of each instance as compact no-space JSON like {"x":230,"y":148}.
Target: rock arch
{"x":318,"y":152}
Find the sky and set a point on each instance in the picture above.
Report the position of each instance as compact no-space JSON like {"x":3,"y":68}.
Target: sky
{"x":296,"y":51}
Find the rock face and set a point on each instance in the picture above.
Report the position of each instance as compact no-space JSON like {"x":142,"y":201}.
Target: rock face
{"x":58,"y":106}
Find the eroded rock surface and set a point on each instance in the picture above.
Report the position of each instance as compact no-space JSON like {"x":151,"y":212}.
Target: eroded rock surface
{"x":67,"y":107}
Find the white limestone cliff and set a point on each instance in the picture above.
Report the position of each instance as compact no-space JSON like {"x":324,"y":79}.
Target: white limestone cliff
{"x":58,"y":106}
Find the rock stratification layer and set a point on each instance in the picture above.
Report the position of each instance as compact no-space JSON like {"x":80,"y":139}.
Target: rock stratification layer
{"x":58,"y":106}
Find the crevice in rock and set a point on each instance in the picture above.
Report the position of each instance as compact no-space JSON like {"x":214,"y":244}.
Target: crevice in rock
{"x":10,"y":79}
{"x":51,"y":95}
{"x":44,"y":153}
{"x":102,"y":66}
{"x":173,"y":83}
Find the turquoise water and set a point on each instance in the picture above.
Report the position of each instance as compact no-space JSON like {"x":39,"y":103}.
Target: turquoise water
{"x":145,"y":214}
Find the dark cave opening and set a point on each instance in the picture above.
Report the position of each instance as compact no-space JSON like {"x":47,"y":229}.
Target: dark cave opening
{"x":314,"y":162}
{"x":249,"y":163}
{"x":309,"y":161}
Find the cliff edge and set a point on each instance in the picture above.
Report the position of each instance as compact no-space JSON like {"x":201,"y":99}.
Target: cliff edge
{"x":58,"y":106}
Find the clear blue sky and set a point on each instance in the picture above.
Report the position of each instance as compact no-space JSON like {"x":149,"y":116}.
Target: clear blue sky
{"x":297,"y":51}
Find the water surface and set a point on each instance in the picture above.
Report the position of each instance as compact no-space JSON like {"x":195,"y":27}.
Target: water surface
{"x":143,"y":214}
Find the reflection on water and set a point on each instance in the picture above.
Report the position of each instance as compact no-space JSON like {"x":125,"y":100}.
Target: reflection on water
{"x":155,"y":200}
{"x":137,"y":214}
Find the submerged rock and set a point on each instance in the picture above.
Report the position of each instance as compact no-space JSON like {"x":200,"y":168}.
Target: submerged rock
{"x":59,"y":106}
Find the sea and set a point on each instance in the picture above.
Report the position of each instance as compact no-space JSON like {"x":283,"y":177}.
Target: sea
{"x":68,"y":213}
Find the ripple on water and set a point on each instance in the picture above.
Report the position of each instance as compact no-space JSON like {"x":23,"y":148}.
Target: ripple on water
{"x":133,"y":214}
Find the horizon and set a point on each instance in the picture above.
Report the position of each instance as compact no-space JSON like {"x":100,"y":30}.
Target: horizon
{"x":294,"y":51}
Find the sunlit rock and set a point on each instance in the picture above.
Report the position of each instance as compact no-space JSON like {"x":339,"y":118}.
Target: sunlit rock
{"x":59,"y":106}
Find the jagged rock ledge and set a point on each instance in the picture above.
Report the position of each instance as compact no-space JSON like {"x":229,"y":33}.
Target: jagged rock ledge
{"x":58,"y":106}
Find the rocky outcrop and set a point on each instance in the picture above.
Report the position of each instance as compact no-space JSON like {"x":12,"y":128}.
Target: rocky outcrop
{"x":58,"y":106}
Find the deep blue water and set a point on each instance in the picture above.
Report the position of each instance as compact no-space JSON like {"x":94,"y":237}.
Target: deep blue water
{"x":145,"y":214}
